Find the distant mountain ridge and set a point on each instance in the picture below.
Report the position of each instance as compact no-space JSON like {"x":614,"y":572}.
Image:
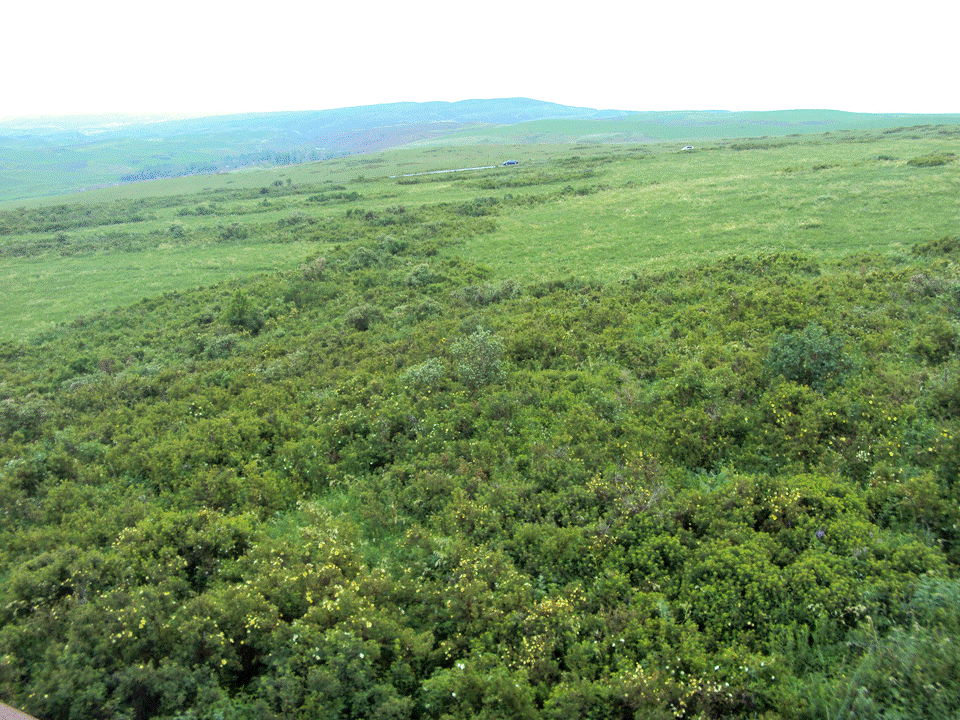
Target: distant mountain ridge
{"x":53,"y":155}
{"x":498,"y":111}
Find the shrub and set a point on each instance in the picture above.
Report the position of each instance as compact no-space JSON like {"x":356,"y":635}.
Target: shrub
{"x":811,"y":357}
{"x":362,"y":317}
{"x":314,"y":269}
{"x":944,"y":246}
{"x":936,"y":341}
{"x":420,"y":275}
{"x":220,"y":347}
{"x":362,"y":258}
{"x":911,"y":672}
{"x":242,"y":315}
{"x":25,"y":415}
{"x":478,"y":207}
{"x":932,"y":160}
{"x":234,"y":231}
{"x":488,"y":293}
{"x":416,"y":312}
{"x":479,"y":359}
{"x":294,"y":217}
{"x":391,"y":245}
{"x":424,"y":377}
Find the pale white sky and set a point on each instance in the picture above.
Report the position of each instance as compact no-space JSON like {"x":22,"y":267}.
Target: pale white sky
{"x":216,"y":57}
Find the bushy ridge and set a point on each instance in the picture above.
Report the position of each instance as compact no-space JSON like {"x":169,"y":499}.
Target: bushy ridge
{"x":389,"y":485}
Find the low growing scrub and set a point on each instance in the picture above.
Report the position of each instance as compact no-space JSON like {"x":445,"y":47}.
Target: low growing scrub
{"x":810,"y":357}
{"x":934,"y":160}
{"x":479,"y":359}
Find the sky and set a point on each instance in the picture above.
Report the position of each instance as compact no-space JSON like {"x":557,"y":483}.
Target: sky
{"x":208,"y":57}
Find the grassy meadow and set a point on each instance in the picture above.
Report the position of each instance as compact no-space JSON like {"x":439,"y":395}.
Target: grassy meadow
{"x":56,"y":156}
{"x":597,"y":210}
{"x":660,"y":210}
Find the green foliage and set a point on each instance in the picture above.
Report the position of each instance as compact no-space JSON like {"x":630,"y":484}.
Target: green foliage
{"x":479,"y":359}
{"x":363,"y":258}
{"x":907,"y":672}
{"x":23,"y":416}
{"x":936,"y":341}
{"x":421,"y":275}
{"x":362,"y":317}
{"x":392,"y":483}
{"x":810,"y":357}
{"x":488,"y":293}
{"x":234,"y":231}
{"x":947,"y":245}
{"x":932,"y":160}
{"x":242,"y":315}
{"x":425,"y":377}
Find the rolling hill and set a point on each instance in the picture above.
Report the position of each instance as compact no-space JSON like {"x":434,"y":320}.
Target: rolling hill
{"x":50,"y":156}
{"x":622,"y":431}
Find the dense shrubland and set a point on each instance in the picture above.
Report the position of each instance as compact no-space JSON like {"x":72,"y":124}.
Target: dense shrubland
{"x":389,"y":484}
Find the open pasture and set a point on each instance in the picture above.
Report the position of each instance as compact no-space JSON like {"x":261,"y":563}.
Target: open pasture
{"x":600,"y":211}
{"x":826,"y":197}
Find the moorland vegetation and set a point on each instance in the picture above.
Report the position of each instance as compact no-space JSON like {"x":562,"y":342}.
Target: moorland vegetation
{"x":617,"y":433}
{"x":48,"y":156}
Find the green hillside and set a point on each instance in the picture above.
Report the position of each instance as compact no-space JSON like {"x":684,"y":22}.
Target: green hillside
{"x":623,"y":431}
{"x":55,"y":156}
{"x":600,"y":211}
{"x":691,"y":126}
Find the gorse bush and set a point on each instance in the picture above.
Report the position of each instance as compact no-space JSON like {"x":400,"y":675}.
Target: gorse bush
{"x":426,"y":491}
{"x":488,"y":293}
{"x":479,"y":359}
{"x":424,"y":377}
{"x":947,"y":245}
{"x":654,"y":512}
{"x":421,"y":274}
{"x":242,"y":314}
{"x":362,"y":317}
{"x":909,"y":671}
{"x":363,"y":258}
{"x":392,"y":245}
{"x":934,"y":160}
{"x":811,"y":357}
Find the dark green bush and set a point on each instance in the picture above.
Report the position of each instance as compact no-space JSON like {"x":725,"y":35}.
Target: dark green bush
{"x":234,"y":231}
{"x":420,"y":275}
{"x":811,"y":357}
{"x":913,"y":671}
{"x":478,"y":207}
{"x":933,"y":160}
{"x":294,"y":218}
{"x":488,"y":293}
{"x":392,"y":245}
{"x":479,"y":359}
{"x":362,"y":317}
{"x":946,"y":245}
{"x":424,"y":377}
{"x":362,"y":258}
{"x":241,"y":314}
{"x":936,"y":341}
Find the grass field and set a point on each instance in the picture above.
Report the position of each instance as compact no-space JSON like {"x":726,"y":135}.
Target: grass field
{"x":593,"y":210}
{"x":37,"y":293}
{"x":823,"y":198}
